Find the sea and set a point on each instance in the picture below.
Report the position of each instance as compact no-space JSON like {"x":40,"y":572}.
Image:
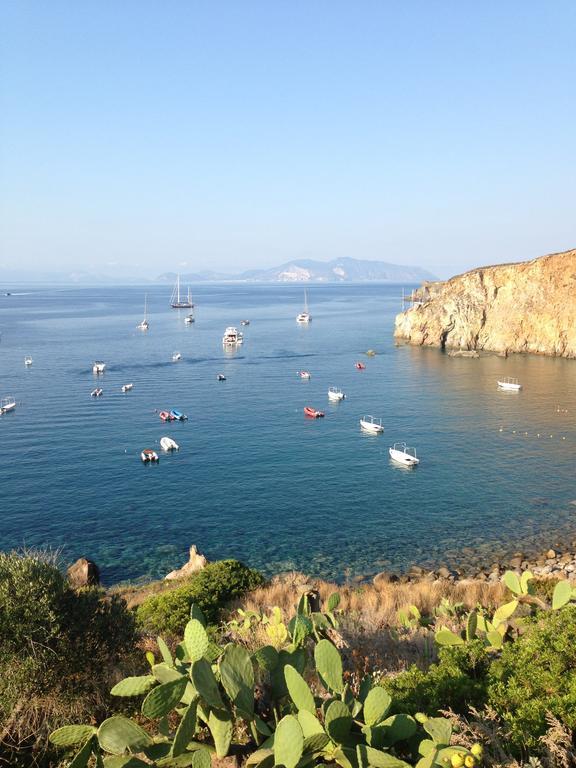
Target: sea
{"x":255,"y":479}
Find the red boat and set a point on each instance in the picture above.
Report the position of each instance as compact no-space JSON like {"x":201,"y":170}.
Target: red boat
{"x":313,"y":413}
{"x":360,"y":366}
{"x":166,"y":416}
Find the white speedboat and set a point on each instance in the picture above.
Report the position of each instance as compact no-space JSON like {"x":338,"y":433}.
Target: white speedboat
{"x":509,"y":384}
{"x":149,"y":456}
{"x":27,"y":360}
{"x":7,"y":404}
{"x":176,"y":356}
{"x":232,"y":336}
{"x":189,"y":319}
{"x":404,"y":454}
{"x":305,"y":316}
{"x":127,"y":387}
{"x":98,"y":367}
{"x":371,"y":424}
{"x":244,"y":322}
{"x":335,"y":394}
{"x":144,"y":325}
{"x":167,"y":444}
{"x":220,"y":377}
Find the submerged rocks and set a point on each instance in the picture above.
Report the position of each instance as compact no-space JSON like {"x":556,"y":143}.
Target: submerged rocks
{"x":83,"y":573}
{"x":196,"y":562}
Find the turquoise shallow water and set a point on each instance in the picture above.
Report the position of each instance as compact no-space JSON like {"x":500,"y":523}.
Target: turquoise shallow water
{"x":255,"y":479}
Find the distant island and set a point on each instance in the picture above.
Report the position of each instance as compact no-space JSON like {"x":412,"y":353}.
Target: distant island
{"x":344,"y":270}
{"x":523,"y":307}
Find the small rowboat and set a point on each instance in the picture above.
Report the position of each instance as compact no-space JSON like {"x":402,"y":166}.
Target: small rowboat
{"x":149,"y":456}
{"x":167,"y":444}
{"x":96,"y":392}
{"x":372,"y":425}
{"x":304,"y":374}
{"x":312,"y":413}
{"x":360,"y":366}
{"x":127,"y":387}
{"x":178,"y":416}
{"x":166,"y":416}
{"x":403,"y":454}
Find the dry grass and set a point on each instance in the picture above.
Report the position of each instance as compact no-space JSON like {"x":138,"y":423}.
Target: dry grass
{"x":369,"y":615}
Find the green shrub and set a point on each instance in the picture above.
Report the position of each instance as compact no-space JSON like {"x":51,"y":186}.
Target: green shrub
{"x":457,"y":681}
{"x":536,"y":675}
{"x":58,"y":649}
{"x":211,"y":589}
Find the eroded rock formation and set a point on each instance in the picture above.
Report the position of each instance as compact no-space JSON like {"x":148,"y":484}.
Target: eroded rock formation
{"x":524,"y":307}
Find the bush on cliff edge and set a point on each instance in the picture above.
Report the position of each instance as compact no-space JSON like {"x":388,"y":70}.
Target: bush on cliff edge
{"x":59,"y":650}
{"x":211,"y":589}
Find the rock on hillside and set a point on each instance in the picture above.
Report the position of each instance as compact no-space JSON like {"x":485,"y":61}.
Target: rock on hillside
{"x":525,"y":307}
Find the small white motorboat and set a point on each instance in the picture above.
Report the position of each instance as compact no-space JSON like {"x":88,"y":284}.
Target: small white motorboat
{"x":28,"y":360}
{"x":244,"y":322}
{"x":149,"y":456}
{"x":189,"y":319}
{"x":509,"y":384}
{"x":98,"y":367}
{"x":167,"y":444}
{"x":7,"y":404}
{"x":127,"y":387}
{"x":176,"y":356}
{"x":372,"y":425}
{"x":404,"y":454}
{"x":97,"y":392}
{"x":335,"y":395}
{"x":304,"y":374}
{"x":220,"y":377}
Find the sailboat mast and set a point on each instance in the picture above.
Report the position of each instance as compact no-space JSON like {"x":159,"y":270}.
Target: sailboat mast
{"x":178,"y":289}
{"x":305,"y":301}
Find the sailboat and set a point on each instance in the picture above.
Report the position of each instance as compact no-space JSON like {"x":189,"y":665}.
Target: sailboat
{"x":304,"y":317}
{"x":144,"y":325}
{"x":178,"y":302}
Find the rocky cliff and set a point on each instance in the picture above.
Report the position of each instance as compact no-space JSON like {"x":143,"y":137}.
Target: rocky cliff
{"x":525,"y":307}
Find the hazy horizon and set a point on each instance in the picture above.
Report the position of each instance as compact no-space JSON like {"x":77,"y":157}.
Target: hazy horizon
{"x":147,"y":137}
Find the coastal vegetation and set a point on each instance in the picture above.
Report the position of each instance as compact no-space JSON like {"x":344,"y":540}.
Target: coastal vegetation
{"x":291,"y":672}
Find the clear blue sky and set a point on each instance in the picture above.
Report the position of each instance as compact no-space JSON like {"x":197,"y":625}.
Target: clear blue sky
{"x":141,"y":136}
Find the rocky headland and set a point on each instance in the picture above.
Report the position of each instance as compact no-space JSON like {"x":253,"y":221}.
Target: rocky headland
{"x":525,"y":307}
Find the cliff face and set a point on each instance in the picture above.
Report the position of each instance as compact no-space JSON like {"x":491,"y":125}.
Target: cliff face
{"x":526,"y":307}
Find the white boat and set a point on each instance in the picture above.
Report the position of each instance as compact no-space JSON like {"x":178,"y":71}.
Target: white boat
{"x":149,"y":456}
{"x":304,"y":317}
{"x":167,"y":444}
{"x":189,"y":319}
{"x":98,"y":367}
{"x":510,"y":384}
{"x":304,"y":374}
{"x":97,"y":392}
{"x":127,"y":387}
{"x":371,"y":424}
{"x":27,"y":360}
{"x":7,"y":404}
{"x":179,"y":302}
{"x":244,"y":322}
{"x":232,"y":336}
{"x":176,"y":356}
{"x":144,"y":325}
{"x":404,"y":454}
{"x":335,"y":394}
{"x":220,"y":377}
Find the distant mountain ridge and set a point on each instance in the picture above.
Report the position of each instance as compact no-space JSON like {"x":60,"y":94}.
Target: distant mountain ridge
{"x":343,"y":270}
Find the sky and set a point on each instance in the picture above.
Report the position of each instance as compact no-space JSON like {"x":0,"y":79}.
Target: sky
{"x":143,"y":136}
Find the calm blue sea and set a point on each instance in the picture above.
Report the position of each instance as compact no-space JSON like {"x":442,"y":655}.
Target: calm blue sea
{"x":254,"y":479}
